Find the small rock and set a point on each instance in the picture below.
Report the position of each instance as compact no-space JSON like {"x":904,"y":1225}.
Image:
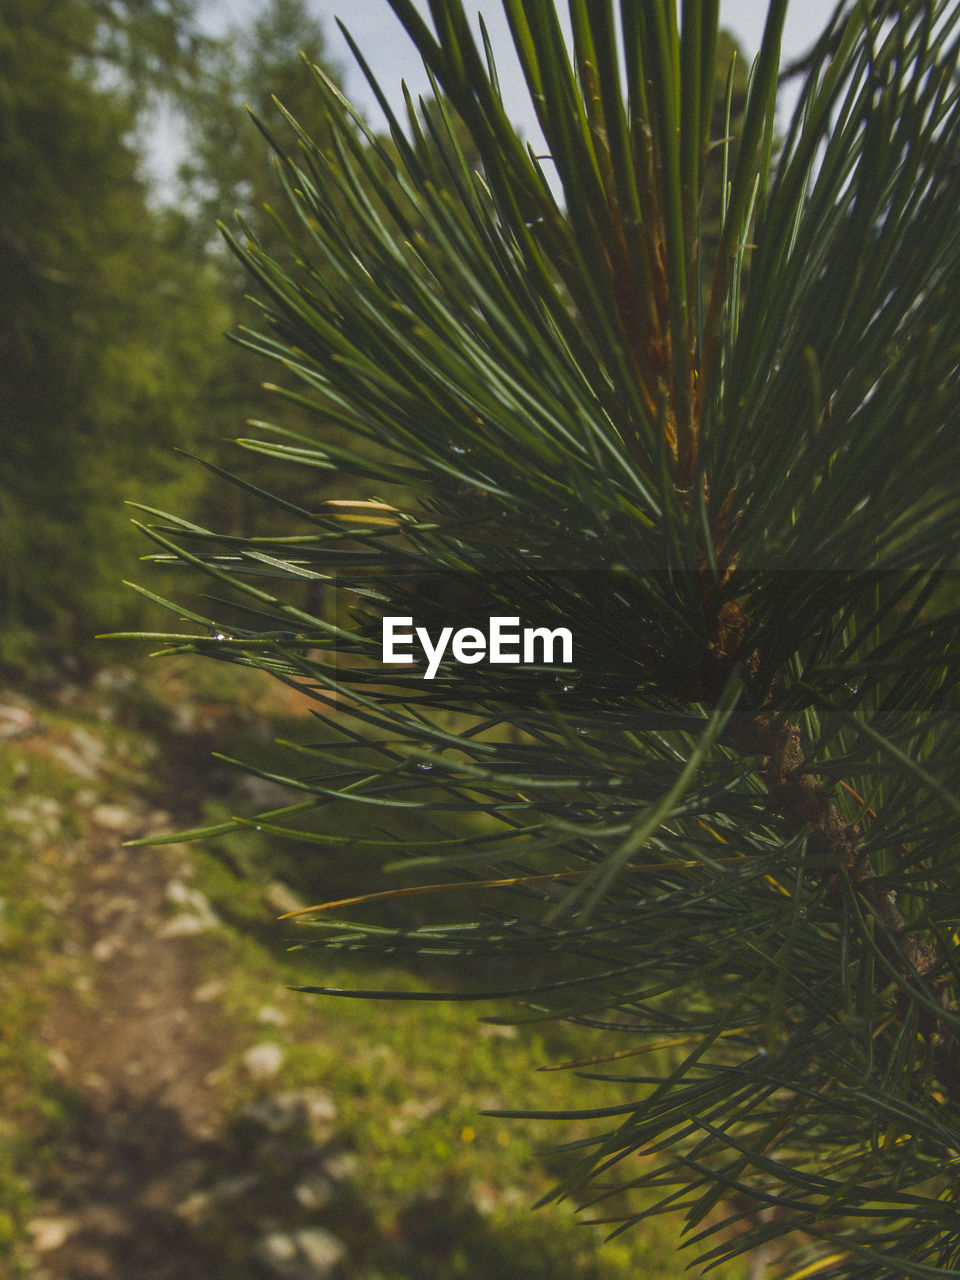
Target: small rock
{"x":104,"y":1220}
{"x":173,"y":1186}
{"x":42,"y":815}
{"x":236,"y":1187}
{"x":115,"y":817}
{"x":264,"y":1060}
{"x":67,"y":694}
{"x":186,"y":924}
{"x":421,"y":1109}
{"x":59,"y":1061}
{"x":51,"y":1233}
{"x":111,"y":678}
{"x":94,"y":750}
{"x":73,"y":761}
{"x":195,"y":914}
{"x":484,"y":1198}
{"x":271,"y":1113}
{"x":280,"y":898}
{"x":106,"y":948}
{"x":308,"y":1254}
{"x":342,"y":1166}
{"x":15,"y":721}
{"x":181,"y":895}
{"x":158,"y":822}
{"x":185,"y":717}
{"x":314,"y":1192}
{"x":208,"y":991}
{"x":226,"y":1191}
{"x":497,"y":1031}
{"x":196,"y":1206}
{"x":278,"y":1113}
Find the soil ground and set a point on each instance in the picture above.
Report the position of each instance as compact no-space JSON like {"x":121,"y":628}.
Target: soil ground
{"x":140,"y":1062}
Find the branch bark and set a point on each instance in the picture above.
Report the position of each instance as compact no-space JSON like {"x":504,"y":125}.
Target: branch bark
{"x":801,"y":801}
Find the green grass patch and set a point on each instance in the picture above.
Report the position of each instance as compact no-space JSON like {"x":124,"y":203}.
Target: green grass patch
{"x":35,"y":1106}
{"x":441,"y":1190}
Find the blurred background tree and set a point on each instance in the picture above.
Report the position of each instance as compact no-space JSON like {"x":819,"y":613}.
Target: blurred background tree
{"x":106,"y":327}
{"x":117,"y":296}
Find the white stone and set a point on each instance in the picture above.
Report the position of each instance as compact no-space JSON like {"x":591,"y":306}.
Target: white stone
{"x":181,"y":895}
{"x":110,"y":678}
{"x":92,"y":748}
{"x":73,"y":761}
{"x":497,"y":1031}
{"x":281,"y":1112}
{"x":270,"y":1016}
{"x":342,"y":1166}
{"x":115,"y":818}
{"x":15,"y":721}
{"x":314,"y":1192}
{"x":281,"y":899}
{"x":264,"y":1060}
{"x":195,"y":914}
{"x":106,"y":948}
{"x":211,"y":990}
{"x":186,"y":924}
{"x":311,"y":1253}
{"x":51,"y":1233}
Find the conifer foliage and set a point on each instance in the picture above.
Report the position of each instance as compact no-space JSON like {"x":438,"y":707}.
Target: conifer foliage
{"x":728,"y":463}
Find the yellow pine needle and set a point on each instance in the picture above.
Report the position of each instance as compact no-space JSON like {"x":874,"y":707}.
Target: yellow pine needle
{"x":459,"y":885}
{"x":774,"y":884}
{"x":355,"y":511}
{"x":815,"y":1268}
{"x":647,"y":1048}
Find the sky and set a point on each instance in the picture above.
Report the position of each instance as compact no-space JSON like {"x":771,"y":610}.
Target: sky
{"x":392,"y":56}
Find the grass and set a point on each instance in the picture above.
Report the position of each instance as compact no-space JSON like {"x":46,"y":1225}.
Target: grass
{"x":450,"y":1188}
{"x":35,"y":1106}
{"x":437,"y":1190}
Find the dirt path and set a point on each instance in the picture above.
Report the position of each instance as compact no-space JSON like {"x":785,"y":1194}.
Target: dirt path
{"x":139,"y":1053}
{"x":137,"y":1169}
{"x":147,"y":1177}
{"x":128,"y":1025}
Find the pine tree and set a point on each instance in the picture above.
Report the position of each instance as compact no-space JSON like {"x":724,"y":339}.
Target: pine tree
{"x":105,"y":329}
{"x":724,"y":827}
